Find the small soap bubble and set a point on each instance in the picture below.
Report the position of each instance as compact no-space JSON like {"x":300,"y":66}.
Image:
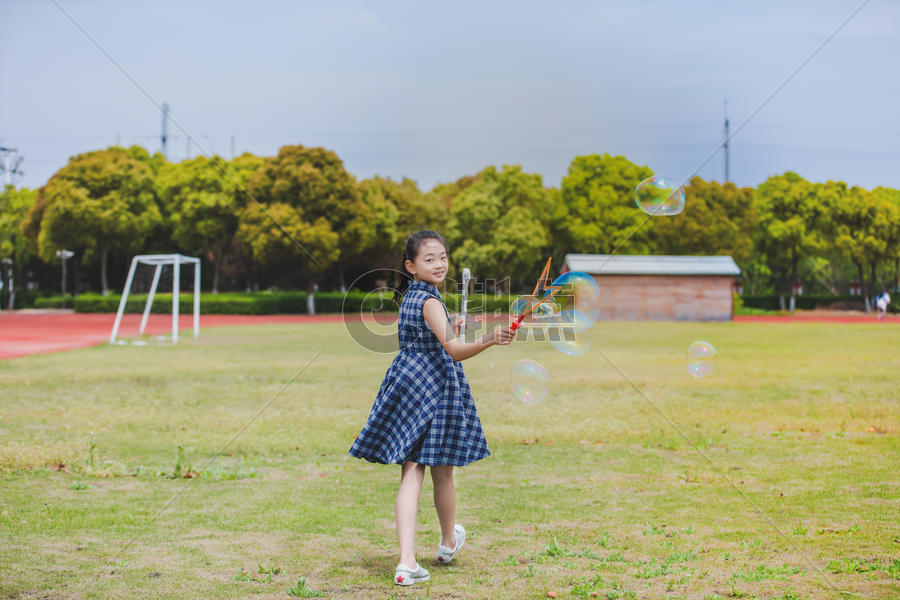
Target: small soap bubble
{"x":530,"y":380}
{"x":659,"y":195}
{"x":701,"y":359}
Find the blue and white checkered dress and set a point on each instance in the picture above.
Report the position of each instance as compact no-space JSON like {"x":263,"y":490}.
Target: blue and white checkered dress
{"x":424,"y":411}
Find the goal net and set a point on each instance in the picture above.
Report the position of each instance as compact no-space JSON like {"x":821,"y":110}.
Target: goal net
{"x":152,"y":272}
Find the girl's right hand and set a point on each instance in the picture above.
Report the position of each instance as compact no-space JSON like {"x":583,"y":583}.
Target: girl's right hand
{"x":503,"y":335}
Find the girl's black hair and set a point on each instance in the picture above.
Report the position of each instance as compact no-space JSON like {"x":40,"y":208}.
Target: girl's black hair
{"x":410,"y":252}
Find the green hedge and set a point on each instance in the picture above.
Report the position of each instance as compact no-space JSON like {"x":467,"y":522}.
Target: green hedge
{"x":266,"y":303}
{"x":26,"y":298}
{"x":770,"y":302}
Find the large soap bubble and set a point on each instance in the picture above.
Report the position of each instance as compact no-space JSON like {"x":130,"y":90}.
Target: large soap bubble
{"x":531,"y":382}
{"x":570,"y":335}
{"x":578,"y":291}
{"x":659,"y":195}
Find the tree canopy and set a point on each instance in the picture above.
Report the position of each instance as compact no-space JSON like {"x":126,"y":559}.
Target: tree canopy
{"x":499,"y":225}
{"x":326,"y":200}
{"x":300,"y":218}
{"x":201,"y":199}
{"x":717,"y":219}
{"x":101,"y":201}
{"x":596,"y":212}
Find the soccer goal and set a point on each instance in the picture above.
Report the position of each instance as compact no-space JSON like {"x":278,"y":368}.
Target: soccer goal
{"x":159,"y":262}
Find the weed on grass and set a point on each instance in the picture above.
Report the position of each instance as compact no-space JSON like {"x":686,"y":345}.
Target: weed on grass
{"x":262,"y":575}
{"x":302,"y":591}
{"x":183,"y":466}
{"x":861,"y":565}
{"x":554,"y":549}
{"x":510,"y":561}
{"x":680,"y":557}
{"x":618,"y":591}
{"x":765,"y":572}
{"x":231,"y":472}
{"x":651,"y":570}
{"x":587,"y":588}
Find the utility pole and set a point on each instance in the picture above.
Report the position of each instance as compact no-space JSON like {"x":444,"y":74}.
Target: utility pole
{"x":725,"y":144}
{"x":232,"y":147}
{"x":165,"y":120}
{"x":10,"y":166}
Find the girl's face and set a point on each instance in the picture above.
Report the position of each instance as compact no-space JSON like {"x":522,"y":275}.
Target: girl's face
{"x":431,"y":263}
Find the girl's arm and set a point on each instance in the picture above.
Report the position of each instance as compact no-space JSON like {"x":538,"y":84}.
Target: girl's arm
{"x":434,"y":314}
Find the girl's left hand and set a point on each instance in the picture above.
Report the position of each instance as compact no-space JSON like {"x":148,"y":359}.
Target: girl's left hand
{"x":456,"y":322}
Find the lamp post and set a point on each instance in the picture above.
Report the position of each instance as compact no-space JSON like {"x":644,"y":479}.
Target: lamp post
{"x":64,"y":255}
{"x":9,"y":278}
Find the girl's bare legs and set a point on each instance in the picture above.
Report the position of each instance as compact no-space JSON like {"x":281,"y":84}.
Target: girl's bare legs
{"x":445,"y":502}
{"x":411,"y":478}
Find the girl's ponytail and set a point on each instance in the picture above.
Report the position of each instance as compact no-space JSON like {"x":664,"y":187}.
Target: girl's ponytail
{"x":410,"y":252}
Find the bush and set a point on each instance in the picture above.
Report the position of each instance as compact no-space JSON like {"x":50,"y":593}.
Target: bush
{"x":26,"y":298}
{"x":270,"y":303}
{"x":770,"y":302}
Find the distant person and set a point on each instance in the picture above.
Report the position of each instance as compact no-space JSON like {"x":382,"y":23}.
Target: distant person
{"x":882,"y":301}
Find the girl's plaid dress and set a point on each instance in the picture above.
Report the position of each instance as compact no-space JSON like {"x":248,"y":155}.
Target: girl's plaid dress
{"x":424,"y":411}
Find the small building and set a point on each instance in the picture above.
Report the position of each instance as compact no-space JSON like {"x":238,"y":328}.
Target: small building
{"x":660,"y":288}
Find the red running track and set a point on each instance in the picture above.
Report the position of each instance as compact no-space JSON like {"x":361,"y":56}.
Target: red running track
{"x":26,"y":333}
{"x":813,"y":318}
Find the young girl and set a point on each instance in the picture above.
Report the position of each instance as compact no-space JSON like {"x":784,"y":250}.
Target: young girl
{"x":424,"y":413}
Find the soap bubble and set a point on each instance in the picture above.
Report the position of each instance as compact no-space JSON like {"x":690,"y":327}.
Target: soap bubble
{"x":569,"y":335}
{"x":701,"y":359}
{"x":547,"y":308}
{"x":579,"y":291}
{"x":531,"y":382}
{"x":659,"y":195}
{"x":573,"y":347}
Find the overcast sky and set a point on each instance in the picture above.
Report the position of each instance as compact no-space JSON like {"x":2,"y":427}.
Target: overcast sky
{"x":435,"y":91}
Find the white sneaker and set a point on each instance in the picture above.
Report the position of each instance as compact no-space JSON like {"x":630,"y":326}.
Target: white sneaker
{"x":403,"y":575}
{"x":445,"y":554}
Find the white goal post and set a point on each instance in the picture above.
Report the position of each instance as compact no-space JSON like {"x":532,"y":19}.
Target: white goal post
{"x":159,"y":261}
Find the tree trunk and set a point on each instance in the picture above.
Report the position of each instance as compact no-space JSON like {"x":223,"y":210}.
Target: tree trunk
{"x":896,"y":272}
{"x":103,"y":283}
{"x":217,"y":267}
{"x":793,"y":282}
{"x":781,"y":301}
{"x":873,"y":278}
{"x":862,"y":283}
{"x":341,"y":276}
{"x":310,"y":298}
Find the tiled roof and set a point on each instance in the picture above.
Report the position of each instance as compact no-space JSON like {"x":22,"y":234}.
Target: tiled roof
{"x":624,"y":264}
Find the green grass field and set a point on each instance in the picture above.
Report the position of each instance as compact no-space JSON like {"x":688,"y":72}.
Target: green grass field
{"x":777,"y":476}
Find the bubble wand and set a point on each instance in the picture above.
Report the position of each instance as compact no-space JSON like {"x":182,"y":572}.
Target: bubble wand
{"x":532,"y":304}
{"x":466,"y":275}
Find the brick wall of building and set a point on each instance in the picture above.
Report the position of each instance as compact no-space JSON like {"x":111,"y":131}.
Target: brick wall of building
{"x":665,"y":297}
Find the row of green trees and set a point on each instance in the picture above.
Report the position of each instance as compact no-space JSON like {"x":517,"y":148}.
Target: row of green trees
{"x":300,"y":219}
